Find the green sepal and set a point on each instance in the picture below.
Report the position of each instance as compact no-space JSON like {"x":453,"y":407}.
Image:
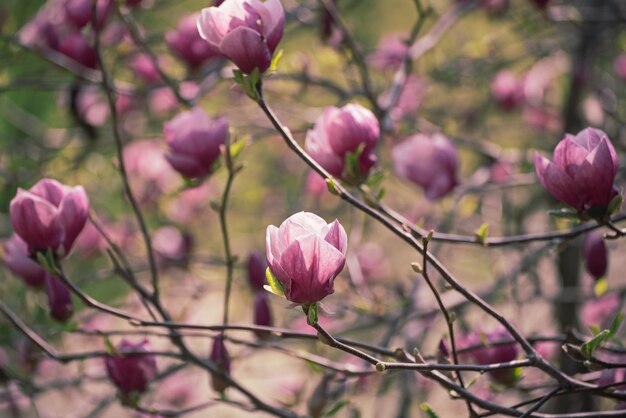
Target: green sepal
{"x":336,"y":408}
{"x":587,"y":348}
{"x":481,"y":233}
{"x":564,"y":213}
{"x":248,"y":82}
{"x":332,"y":188}
{"x":615,"y":203}
{"x":311,"y":314}
{"x":273,"y":284}
{"x":428,"y":410}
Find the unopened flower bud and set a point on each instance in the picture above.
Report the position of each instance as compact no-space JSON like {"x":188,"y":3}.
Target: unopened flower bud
{"x":596,"y":255}
{"x":131,"y":372}
{"x":59,"y":298}
{"x":221,"y":358}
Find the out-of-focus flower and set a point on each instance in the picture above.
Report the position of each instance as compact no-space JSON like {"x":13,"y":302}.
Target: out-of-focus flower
{"x":542,"y":4}
{"x":80,"y":12}
{"x":148,"y":170}
{"x":185,"y":42}
{"x":542,"y":119}
{"x":372,"y":260}
{"x":582,"y":171}
{"x":92,"y":107}
{"x":408,"y":102}
{"x":76,"y":47}
{"x":246,"y":32}
{"x":390,"y":53}
{"x":262,"y":314}
{"x":507,"y":90}
{"x":619,"y":65}
{"x":601,"y":311}
{"x":340,"y":131}
{"x":189,"y":205}
{"x":221,"y":358}
{"x":59,"y":298}
{"x":171,"y":245}
{"x":329,"y":32}
{"x":315,"y":184}
{"x":306,"y":254}
{"x":17,"y":259}
{"x":49,"y":215}
{"x":143,"y":66}
{"x":162,"y":100}
{"x":256,"y":271}
{"x":596,"y":255}
{"x":42,"y":31}
{"x":194,"y":142}
{"x":491,"y":354}
{"x":611,"y":376}
{"x":495,"y":7}
{"x":430,"y":162}
{"x":131,"y":372}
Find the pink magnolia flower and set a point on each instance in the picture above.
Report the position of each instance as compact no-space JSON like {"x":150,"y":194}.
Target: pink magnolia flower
{"x":76,"y":47}
{"x":49,"y":215}
{"x":17,"y":259}
{"x":315,"y":184}
{"x":194,"y":142}
{"x":148,"y":170}
{"x":171,"y":245}
{"x":492,"y":354}
{"x":131,"y":372}
{"x":59,"y":298}
{"x":601,"y":311}
{"x":507,"y":90}
{"x":582,"y":171}
{"x":596,"y":255}
{"x":306,"y":254}
{"x":339,"y":131}
{"x":185,"y":42}
{"x":430,"y":162}
{"x":80,"y":12}
{"x":143,"y":66}
{"x":246,"y":32}
{"x":390,"y":53}
{"x":162,"y":99}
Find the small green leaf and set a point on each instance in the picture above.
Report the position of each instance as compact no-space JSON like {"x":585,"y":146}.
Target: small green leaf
{"x":332,"y":188}
{"x":616,"y":203}
{"x":417,"y":267}
{"x":275,"y":61}
{"x":374,"y":179}
{"x":429,"y":411}
{"x":481,"y":233}
{"x":616,"y":324}
{"x":563,"y":213}
{"x":311,"y":314}
{"x":109,"y":347}
{"x":315,"y":368}
{"x":238,"y":146}
{"x":275,"y":286}
{"x":588,"y":347}
{"x":380,"y":194}
{"x":601,"y":287}
{"x":336,"y":408}
{"x":71,"y":326}
{"x":352,"y":168}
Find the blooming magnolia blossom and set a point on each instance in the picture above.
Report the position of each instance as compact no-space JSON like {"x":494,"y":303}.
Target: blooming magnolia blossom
{"x":246,"y":32}
{"x":49,"y":215}
{"x":430,"y":162}
{"x":306,"y":254}
{"x":185,"y":42}
{"x":131,"y":372}
{"x":194,"y":142}
{"x":596,"y":255}
{"x":17,"y":259}
{"x":582,"y":171}
{"x":339,"y":131}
